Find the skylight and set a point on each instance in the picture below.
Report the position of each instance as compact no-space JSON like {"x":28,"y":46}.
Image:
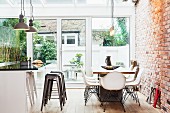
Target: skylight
{"x":16,"y":3}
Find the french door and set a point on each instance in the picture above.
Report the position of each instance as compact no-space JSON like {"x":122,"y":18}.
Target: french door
{"x":72,"y":51}
{"x":64,"y":44}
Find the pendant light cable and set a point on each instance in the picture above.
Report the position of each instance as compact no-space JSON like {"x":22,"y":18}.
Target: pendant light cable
{"x":23,"y":8}
{"x":112,"y":10}
{"x":31,"y":10}
{"x":112,"y":18}
{"x":31,"y":28}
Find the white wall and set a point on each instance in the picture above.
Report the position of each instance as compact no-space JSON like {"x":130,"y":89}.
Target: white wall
{"x":78,"y":11}
{"x":99,"y":53}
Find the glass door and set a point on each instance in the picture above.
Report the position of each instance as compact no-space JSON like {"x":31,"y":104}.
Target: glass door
{"x":117,"y":46}
{"x":61,"y":44}
{"x":73,"y":43}
{"x":45,"y":43}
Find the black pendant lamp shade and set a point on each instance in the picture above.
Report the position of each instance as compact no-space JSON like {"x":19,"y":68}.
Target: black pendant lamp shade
{"x":31,"y":28}
{"x":21,"y":25}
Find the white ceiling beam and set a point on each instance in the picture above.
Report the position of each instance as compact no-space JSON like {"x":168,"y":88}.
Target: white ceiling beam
{"x":74,"y":2}
{"x":107,"y":2}
{"x":10,"y":2}
{"x":82,"y":11}
{"x":43,"y":2}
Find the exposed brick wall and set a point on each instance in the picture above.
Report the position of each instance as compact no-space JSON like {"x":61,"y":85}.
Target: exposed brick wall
{"x":153,"y":45}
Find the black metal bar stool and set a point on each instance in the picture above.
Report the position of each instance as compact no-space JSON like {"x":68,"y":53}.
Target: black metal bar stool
{"x":64,"y":94}
{"x":49,"y":78}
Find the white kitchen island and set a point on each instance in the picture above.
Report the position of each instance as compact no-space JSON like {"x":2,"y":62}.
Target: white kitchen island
{"x":13,"y":93}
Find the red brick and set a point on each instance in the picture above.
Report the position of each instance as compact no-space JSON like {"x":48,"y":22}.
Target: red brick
{"x":153,"y":44}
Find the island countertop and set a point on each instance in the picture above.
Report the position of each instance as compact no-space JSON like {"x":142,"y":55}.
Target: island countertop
{"x":19,"y":67}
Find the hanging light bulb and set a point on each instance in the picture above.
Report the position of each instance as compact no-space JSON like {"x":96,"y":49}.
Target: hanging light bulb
{"x":112,"y":31}
{"x":31,"y":28}
{"x":21,"y":25}
{"x":112,"y":27}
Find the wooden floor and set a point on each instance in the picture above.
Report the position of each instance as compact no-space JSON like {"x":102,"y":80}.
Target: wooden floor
{"x":75,"y":104}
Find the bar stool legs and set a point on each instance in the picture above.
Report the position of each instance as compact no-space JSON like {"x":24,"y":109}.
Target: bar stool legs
{"x":28,"y":90}
{"x":44,"y":93}
{"x":31,"y":86}
{"x":63,"y":88}
{"x":48,"y":84}
{"x":34,"y":84}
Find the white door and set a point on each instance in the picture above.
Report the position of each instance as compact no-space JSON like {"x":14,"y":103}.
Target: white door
{"x":72,"y":41}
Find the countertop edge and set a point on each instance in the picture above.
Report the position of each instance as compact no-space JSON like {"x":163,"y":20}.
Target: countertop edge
{"x":17,"y":69}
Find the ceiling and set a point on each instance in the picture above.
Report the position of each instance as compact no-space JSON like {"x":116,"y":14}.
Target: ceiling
{"x":67,"y":8}
{"x":46,"y":3}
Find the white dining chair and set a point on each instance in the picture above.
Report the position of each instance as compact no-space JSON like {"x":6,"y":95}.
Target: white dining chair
{"x":132,"y":87}
{"x":131,"y":77}
{"x":114,"y":82}
{"x":91,"y":86}
{"x":133,"y":64}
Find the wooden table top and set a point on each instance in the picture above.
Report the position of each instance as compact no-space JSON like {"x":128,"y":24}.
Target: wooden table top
{"x":104,"y":71}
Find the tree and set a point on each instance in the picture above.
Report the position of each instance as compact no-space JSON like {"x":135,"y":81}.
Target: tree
{"x":47,"y":51}
{"x":20,"y":36}
{"x":123,"y":28}
{"x":120,"y":37}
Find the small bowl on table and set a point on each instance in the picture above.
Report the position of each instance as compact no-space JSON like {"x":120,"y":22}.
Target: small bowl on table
{"x":110,"y":67}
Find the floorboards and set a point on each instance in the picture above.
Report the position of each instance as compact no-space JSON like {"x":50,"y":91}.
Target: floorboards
{"x":75,"y":104}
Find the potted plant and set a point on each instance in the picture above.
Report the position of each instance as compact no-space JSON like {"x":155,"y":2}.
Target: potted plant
{"x":77,"y":60}
{"x":24,"y":61}
{"x":72,"y":61}
{"x":78,"y":56}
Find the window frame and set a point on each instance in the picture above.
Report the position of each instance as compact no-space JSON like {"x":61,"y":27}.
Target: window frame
{"x":65,"y":35}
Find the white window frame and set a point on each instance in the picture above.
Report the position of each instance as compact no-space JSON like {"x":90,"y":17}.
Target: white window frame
{"x":65,"y":35}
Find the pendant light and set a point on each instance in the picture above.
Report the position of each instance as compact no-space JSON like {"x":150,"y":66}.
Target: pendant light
{"x":21,"y":25}
{"x":135,"y":1}
{"x":112,"y":11}
{"x":31,"y":28}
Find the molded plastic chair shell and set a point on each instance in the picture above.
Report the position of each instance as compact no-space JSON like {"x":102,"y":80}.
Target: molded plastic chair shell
{"x":113,"y":81}
{"x":137,"y":80}
{"x":131,"y":87}
{"x":92,"y":86}
{"x":132,"y":77}
{"x":89,"y":81}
